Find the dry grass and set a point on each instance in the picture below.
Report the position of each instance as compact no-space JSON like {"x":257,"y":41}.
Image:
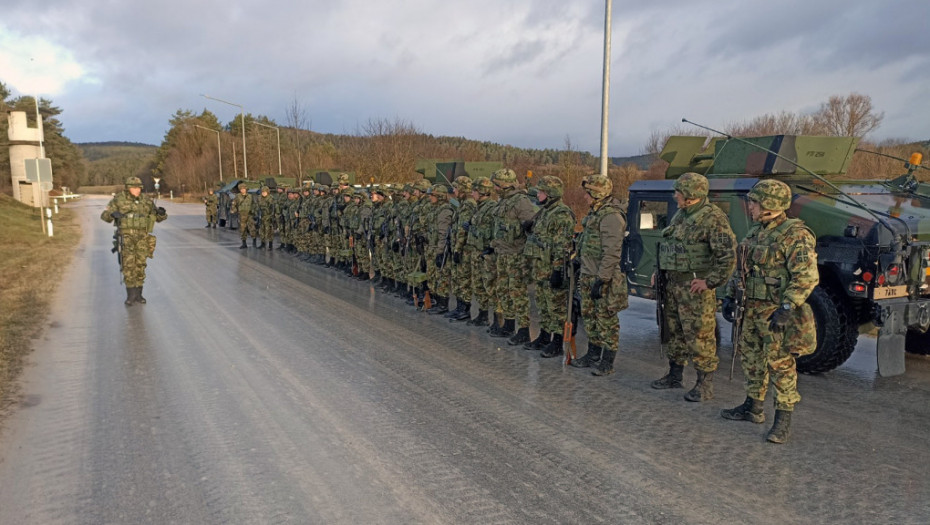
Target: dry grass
{"x":31,"y":266}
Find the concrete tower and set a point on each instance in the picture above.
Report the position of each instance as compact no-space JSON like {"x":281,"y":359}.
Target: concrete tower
{"x":25,"y":143}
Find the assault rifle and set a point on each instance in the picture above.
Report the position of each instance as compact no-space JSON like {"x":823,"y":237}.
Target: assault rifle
{"x":118,"y":247}
{"x":568,"y":330}
{"x":661,"y":293}
{"x":739,"y":302}
{"x":352,"y":249}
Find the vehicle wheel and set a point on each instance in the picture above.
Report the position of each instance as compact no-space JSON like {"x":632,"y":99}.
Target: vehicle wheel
{"x":836,"y":333}
{"x":917,"y":343}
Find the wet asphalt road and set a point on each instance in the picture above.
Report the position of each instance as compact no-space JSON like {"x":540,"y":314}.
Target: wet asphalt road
{"x":253,"y":388}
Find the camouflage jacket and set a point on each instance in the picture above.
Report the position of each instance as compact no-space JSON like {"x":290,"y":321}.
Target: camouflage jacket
{"x":601,"y":242}
{"x":461,"y":223}
{"x":243,"y":205}
{"x":550,"y":241}
{"x":481,"y":229}
{"x":266,"y":207}
{"x":778,"y":261}
{"x":699,"y":242}
{"x":440,"y":224}
{"x":139,"y":213}
{"x":211,"y":202}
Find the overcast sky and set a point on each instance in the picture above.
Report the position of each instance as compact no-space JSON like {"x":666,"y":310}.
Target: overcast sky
{"x":520,"y":72}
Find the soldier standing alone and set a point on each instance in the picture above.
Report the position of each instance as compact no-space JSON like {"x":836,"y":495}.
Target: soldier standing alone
{"x":244,"y":206}
{"x":211,"y":202}
{"x":602,"y":283}
{"x":135,"y":215}
{"x":777,"y":264}
{"x":697,"y":254}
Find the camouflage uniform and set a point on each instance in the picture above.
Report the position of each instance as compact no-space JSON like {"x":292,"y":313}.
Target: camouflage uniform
{"x":438,"y":254}
{"x":462,"y":254}
{"x":547,"y":248}
{"x":361,"y":231}
{"x":378,"y":236}
{"x":602,"y":282}
{"x":515,"y":213}
{"x":416,"y":236}
{"x":291,"y":210}
{"x":698,"y":245}
{"x":136,"y":216}
{"x":244,"y":205}
{"x":211,"y":202}
{"x":778,"y":264}
{"x":480,"y":234}
{"x":304,"y":211}
{"x":347,"y":223}
{"x":266,"y":218}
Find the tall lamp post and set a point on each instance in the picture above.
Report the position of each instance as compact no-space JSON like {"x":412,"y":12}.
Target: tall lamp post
{"x":605,"y":94}
{"x":245,"y":164}
{"x":219,"y":154}
{"x":278,"y":132}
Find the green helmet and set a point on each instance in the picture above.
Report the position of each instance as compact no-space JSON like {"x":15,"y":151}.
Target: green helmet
{"x":463,"y":183}
{"x":422,"y":185}
{"x":692,"y":185}
{"x":348,"y":191}
{"x":133,"y":182}
{"x":483,"y":186}
{"x":551,"y":186}
{"x":439,"y":190}
{"x":504,"y":178}
{"x":265,"y":189}
{"x":771,"y":194}
{"x":342,"y":179}
{"x":598,"y":186}
{"x":241,"y":186}
{"x":321,"y":187}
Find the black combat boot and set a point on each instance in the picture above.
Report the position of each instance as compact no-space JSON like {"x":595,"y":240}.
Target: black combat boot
{"x":703,"y":389}
{"x":606,"y":365}
{"x":481,"y":320}
{"x":781,"y":428}
{"x":139,"y":298}
{"x":281,"y":245}
{"x":254,"y":242}
{"x":260,"y":246}
{"x":540,"y":342}
{"x":672,"y":379}
{"x":270,"y":245}
{"x":452,"y":312}
{"x":554,"y":348}
{"x":243,"y":245}
{"x":440,"y":305}
{"x":521,"y":336}
{"x":501,"y":330}
{"x":130,"y":296}
{"x":592,"y":358}
{"x":207,"y":226}
{"x":750,"y":410}
{"x":462,"y":312}
{"x":363,"y":276}
{"x":214,"y":225}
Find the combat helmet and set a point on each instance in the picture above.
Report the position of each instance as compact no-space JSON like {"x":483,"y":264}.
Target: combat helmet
{"x":463,"y":183}
{"x":598,"y":186}
{"x":505,"y":178}
{"x":133,"y":182}
{"x":692,"y":185}
{"x":551,"y":186}
{"x":771,"y":194}
{"x":422,"y":185}
{"x":483,"y":186}
{"x":241,"y":186}
{"x":441,"y":191}
{"x":342,"y":179}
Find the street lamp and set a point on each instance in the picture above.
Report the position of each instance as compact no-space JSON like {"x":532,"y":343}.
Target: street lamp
{"x":219,"y":155}
{"x":245,"y":164}
{"x":278,"y":132}
{"x":605,"y":88}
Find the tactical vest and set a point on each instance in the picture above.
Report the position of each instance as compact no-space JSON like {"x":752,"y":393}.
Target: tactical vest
{"x":768,"y":276}
{"x":481,"y":228}
{"x":507,"y":227}
{"x":539,"y":245}
{"x":589,"y":244}
{"x":680,"y":256}
{"x":244,"y":205}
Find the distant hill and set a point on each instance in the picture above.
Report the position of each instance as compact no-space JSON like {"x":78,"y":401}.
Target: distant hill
{"x":641,"y":161}
{"x":111,"y":162}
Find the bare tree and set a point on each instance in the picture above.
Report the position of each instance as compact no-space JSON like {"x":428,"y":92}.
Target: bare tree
{"x":298,"y":120}
{"x":849,"y":116}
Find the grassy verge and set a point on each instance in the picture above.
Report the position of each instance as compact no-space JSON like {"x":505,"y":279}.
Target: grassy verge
{"x":31,"y":266}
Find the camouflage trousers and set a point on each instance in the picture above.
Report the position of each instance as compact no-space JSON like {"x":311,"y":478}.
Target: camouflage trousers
{"x":137,"y":247}
{"x":692,"y":321}
{"x":600,"y":315}
{"x":301,"y":239}
{"x":317,"y":243}
{"x":266,"y":230}
{"x":211,"y":216}
{"x":552,"y":305}
{"x":483,"y":281}
{"x":362,"y":256}
{"x":247,"y":227}
{"x":437,"y":277}
{"x":284,"y":230}
{"x":512,"y":291}
{"x":460,"y":278}
{"x":770,"y":356}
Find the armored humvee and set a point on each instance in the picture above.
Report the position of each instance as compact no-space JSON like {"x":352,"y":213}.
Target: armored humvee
{"x":873,"y":236}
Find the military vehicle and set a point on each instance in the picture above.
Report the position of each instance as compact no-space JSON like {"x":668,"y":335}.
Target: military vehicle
{"x":445,"y":171}
{"x":873,"y":236}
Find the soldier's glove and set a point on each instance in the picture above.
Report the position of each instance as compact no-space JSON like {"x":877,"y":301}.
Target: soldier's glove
{"x":779,"y":319}
{"x":728,"y":309}
{"x":161,"y":211}
{"x":439,"y":261}
{"x":457,"y":257}
{"x":116,"y":215}
{"x":596,"y":289}
{"x":556,"y":278}
{"x":395,"y":247}
{"x":527,"y":226}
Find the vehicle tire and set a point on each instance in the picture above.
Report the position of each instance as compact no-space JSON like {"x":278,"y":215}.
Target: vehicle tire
{"x":917,"y":343}
{"x":836,"y":332}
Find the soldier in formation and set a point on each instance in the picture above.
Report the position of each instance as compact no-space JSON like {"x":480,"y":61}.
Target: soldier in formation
{"x":776,"y":272}
{"x":266,"y":208}
{"x":461,"y":268}
{"x":135,"y":215}
{"x":244,"y":205}
{"x":697,"y":254}
{"x":211,"y":201}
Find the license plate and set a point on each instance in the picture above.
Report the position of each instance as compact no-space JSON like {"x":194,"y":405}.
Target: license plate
{"x":888,"y":292}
